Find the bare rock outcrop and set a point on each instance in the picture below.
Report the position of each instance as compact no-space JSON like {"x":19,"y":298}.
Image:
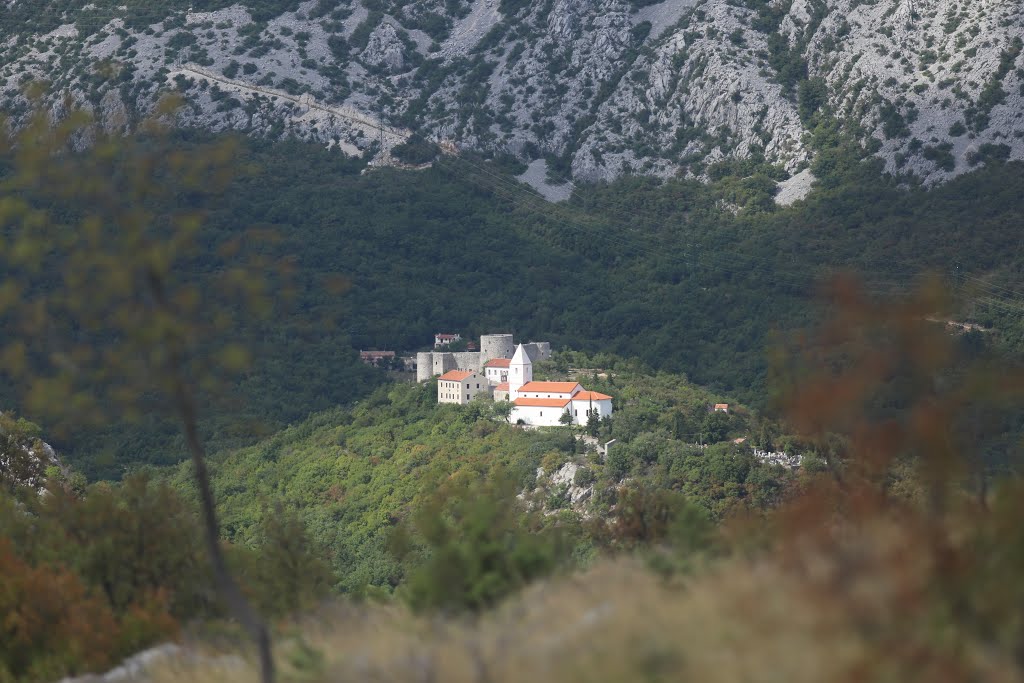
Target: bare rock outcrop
{"x":933,"y":87}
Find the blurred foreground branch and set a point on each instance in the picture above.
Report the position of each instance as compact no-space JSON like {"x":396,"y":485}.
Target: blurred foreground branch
{"x":109,"y":317}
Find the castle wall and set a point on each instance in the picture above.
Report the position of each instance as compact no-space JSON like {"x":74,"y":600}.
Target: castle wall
{"x":443,"y":362}
{"x":467,"y":360}
{"x":432,"y":363}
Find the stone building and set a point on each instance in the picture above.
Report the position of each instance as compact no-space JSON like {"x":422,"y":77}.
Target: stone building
{"x":460,"y":386}
{"x":433,"y":363}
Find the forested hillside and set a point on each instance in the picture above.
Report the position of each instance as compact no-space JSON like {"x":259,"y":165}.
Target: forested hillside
{"x":449,"y":538}
{"x":221,"y":287}
{"x":689,"y":277}
{"x":354,"y":474}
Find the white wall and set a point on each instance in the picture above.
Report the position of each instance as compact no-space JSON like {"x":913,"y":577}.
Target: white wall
{"x":580,"y":408}
{"x":537,"y":415}
{"x":545,"y":394}
{"x":494,"y":375}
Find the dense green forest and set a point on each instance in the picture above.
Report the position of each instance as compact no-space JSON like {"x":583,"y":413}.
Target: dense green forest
{"x":689,"y":277}
{"x":402,"y":501}
{"x":354,"y":501}
{"x":375,"y":491}
{"x":353,"y":474}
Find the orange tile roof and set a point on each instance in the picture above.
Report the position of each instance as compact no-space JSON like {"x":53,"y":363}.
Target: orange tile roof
{"x":542,"y":402}
{"x":498,"y":363}
{"x":553,"y":387}
{"x":724,"y":406}
{"x":502,"y":387}
{"x":590,"y":396}
{"x":455,"y":375}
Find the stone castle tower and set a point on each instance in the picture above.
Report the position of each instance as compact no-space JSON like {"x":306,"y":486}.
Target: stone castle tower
{"x":495,"y":346}
{"x":432,"y":363}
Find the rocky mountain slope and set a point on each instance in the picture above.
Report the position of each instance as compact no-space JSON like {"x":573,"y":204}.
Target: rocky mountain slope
{"x":597,"y":87}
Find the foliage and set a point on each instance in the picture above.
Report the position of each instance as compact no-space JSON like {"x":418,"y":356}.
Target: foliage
{"x":870,"y":570}
{"x":113,"y":316}
{"x":882,"y":385}
{"x":89,"y":580}
{"x":132,"y":541}
{"x":415,"y":150}
{"x":674,"y":279}
{"x":479,"y":546}
{"x":20,"y":448}
{"x":353,"y":474}
{"x":51,"y":625}
{"x":94,"y":576}
{"x":645,"y":516}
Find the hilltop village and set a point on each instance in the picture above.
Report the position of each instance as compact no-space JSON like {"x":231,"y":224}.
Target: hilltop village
{"x":503,"y":371}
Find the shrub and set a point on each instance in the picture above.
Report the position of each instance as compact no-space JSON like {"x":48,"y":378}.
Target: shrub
{"x":339,"y":47}
{"x":415,"y":150}
{"x":481,"y":546}
{"x":180,"y":40}
{"x":648,"y":516}
{"x":989,"y":152}
{"x":584,"y":477}
{"x":941,"y":155}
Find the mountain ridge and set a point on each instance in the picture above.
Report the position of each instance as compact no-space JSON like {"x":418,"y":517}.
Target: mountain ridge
{"x":598,"y":88}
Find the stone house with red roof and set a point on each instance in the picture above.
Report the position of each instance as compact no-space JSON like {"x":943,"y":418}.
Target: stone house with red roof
{"x":460,"y":386}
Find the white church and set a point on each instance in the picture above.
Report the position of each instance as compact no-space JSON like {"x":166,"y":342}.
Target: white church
{"x":534,"y":403}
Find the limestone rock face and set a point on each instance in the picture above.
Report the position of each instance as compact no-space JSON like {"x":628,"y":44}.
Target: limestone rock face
{"x":933,"y":87}
{"x":384,"y":49}
{"x":933,"y":81}
{"x":691,"y":86}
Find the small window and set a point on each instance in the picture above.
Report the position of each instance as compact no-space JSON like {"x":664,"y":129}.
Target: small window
{"x":576,"y":412}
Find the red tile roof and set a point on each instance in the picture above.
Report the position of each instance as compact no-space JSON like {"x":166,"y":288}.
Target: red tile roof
{"x":553,"y":387}
{"x":542,"y":402}
{"x":590,"y":396}
{"x":455,"y":375}
{"x":498,"y":363}
{"x":502,"y":387}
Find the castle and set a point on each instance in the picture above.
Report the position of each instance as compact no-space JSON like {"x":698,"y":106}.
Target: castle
{"x":492,"y":346}
{"x":507,"y":375}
